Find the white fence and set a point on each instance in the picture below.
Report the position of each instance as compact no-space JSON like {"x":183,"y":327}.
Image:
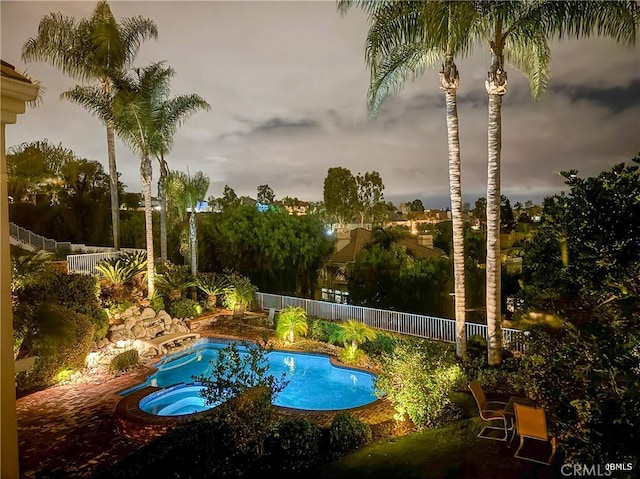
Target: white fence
{"x":86,"y":263}
{"x":34,"y":240}
{"x":429,"y":327}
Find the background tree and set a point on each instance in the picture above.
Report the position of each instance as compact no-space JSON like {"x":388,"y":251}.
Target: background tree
{"x":146,"y":119}
{"x":95,"y":49}
{"x":507,"y":222}
{"x":417,"y":206}
{"x":186,"y":192}
{"x":340,"y":194}
{"x":281,"y":253}
{"x":266,"y":196}
{"x":370,"y":188}
{"x":596,"y":228}
{"x":229,"y":198}
{"x":36,"y":168}
{"x":384,"y":275}
{"x":586,"y":369}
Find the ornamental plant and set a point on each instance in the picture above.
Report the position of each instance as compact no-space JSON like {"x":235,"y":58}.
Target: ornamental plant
{"x":417,"y":378}
{"x":291,"y":321}
{"x":212,"y":285}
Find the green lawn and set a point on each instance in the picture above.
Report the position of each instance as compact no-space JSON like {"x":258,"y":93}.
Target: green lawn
{"x":453,"y":451}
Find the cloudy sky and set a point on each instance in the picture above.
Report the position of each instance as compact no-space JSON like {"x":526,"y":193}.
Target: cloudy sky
{"x":287,"y":85}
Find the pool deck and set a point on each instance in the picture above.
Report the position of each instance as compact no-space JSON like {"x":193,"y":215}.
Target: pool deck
{"x":70,"y":431}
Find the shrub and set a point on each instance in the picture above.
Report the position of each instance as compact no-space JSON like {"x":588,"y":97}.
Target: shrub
{"x":240,"y":292}
{"x":318,"y":330}
{"x":78,"y":292}
{"x":185,"y":308}
{"x":212,"y":285}
{"x":417,"y":378}
{"x":347,"y":433}
{"x":596,"y":402}
{"x":205,"y":449}
{"x":297,"y":444}
{"x":174,"y":281}
{"x":61,"y":343}
{"x":157,"y":303}
{"x":383,"y":343}
{"x":242,"y":382}
{"x":125,"y":361}
{"x":351,"y":355}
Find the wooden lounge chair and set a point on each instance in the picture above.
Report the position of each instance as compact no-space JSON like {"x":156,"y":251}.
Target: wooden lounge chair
{"x":493,"y":413}
{"x":531,"y":423}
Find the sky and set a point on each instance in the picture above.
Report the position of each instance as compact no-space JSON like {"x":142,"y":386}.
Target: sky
{"x":287,"y":84}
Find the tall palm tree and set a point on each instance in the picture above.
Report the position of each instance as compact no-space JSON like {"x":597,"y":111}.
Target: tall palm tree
{"x":162,"y":196}
{"x":185,"y":191}
{"x":404,"y":39}
{"x":517,"y":32}
{"x":93,"y":49}
{"x":146,"y":119}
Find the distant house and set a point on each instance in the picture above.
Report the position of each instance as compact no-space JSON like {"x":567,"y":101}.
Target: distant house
{"x":334,"y":278}
{"x":293,"y":206}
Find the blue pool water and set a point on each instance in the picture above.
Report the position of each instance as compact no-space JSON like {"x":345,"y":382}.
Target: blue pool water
{"x":313,"y":382}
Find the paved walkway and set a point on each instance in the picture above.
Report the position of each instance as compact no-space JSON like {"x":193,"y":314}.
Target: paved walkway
{"x":69,"y":431}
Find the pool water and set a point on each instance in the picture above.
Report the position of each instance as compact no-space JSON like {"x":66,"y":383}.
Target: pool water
{"x":313,"y":382}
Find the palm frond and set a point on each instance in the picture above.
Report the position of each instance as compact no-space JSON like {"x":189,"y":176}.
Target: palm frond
{"x":530,"y":54}
{"x":135,"y":30}
{"x":93,"y":99}
{"x":57,"y":44}
{"x":619,"y":20}
{"x":390,"y":76}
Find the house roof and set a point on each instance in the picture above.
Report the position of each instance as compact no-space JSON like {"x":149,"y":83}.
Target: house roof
{"x":9,"y":71}
{"x":360,"y":237}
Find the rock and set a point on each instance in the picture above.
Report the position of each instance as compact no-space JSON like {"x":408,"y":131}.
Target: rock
{"x":147,"y":313}
{"x":150,"y":322}
{"x":138,"y":331}
{"x":129,"y":323}
{"x":153,"y":331}
{"x":116,"y":336}
{"x":127,"y":334}
{"x":164,"y":316}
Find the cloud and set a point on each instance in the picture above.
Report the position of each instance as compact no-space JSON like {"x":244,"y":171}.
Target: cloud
{"x":287,"y":126}
{"x":615,"y":98}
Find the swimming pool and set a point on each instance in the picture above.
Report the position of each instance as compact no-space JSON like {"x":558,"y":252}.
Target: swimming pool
{"x":314,"y":383}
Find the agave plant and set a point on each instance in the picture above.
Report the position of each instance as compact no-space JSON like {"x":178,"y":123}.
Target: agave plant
{"x":174,"y":281}
{"x":213,"y":285}
{"x":114,"y":270}
{"x":137,"y":261}
{"x":292,"y":321}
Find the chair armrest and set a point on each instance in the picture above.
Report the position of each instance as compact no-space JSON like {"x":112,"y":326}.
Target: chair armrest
{"x":496,"y":404}
{"x":496,"y":412}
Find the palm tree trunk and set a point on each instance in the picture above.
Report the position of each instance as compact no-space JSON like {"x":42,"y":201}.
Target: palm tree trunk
{"x":193,"y":237}
{"x":145,"y":176}
{"x":113,"y":185}
{"x":162,"y":196}
{"x":496,"y":86}
{"x":449,"y":81}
